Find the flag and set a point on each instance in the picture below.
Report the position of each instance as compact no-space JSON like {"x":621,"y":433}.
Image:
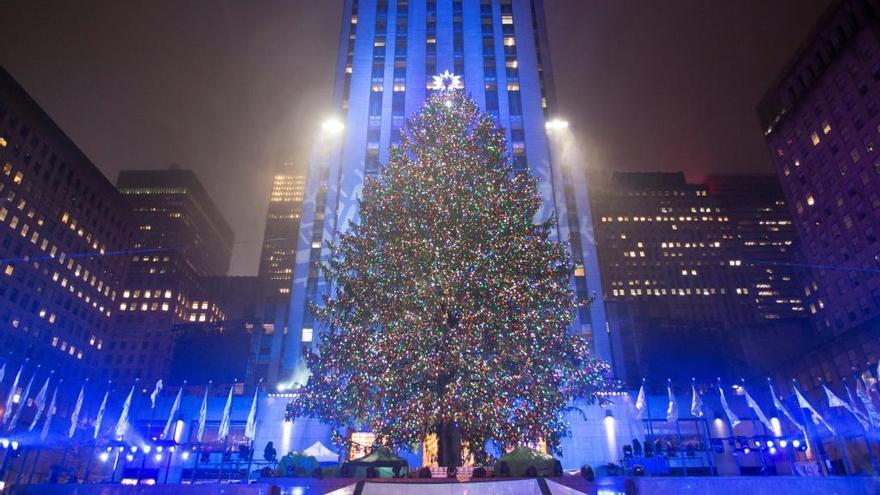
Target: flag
{"x":863,"y":419}
{"x":803,"y":403}
{"x":758,"y":412}
{"x":50,"y":413}
{"x":781,"y":408}
{"x":11,"y":396}
{"x":74,"y":416}
{"x":100,"y":415}
{"x":641,"y":403}
{"x":250,"y":429}
{"x":203,"y":416}
{"x":731,"y":416}
{"x":40,"y":403}
{"x":2,"y":372}
{"x":223,"y":432}
{"x":835,"y":401}
{"x":696,"y":402}
{"x":122,"y":422}
{"x":167,"y":432}
{"x":155,"y":394}
{"x":22,"y":401}
{"x":672,"y":409}
{"x":865,"y":397}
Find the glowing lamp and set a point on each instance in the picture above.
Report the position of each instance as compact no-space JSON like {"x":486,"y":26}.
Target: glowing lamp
{"x":332,"y":125}
{"x":104,"y":456}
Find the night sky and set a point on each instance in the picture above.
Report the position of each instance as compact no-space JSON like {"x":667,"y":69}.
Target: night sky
{"x":231,"y":88}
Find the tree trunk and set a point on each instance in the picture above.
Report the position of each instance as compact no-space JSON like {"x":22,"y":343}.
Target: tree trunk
{"x":448,"y":444}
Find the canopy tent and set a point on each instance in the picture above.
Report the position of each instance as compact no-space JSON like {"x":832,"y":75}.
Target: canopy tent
{"x":521,"y":458}
{"x":321,"y":453}
{"x":383,"y":459}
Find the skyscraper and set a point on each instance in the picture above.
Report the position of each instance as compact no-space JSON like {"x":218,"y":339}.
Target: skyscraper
{"x":64,"y":232}
{"x":821,"y":122}
{"x":282,"y":229}
{"x":181,"y":238}
{"x":389,"y":53}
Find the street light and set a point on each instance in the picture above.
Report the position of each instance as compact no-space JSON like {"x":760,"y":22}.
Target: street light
{"x":333,"y":125}
{"x":556,"y":125}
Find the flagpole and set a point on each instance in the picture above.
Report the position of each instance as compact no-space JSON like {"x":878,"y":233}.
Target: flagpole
{"x":755,"y":430}
{"x":710,"y":451}
{"x":841,"y":442}
{"x":820,"y":449}
{"x":650,"y":421}
{"x":731,"y":426}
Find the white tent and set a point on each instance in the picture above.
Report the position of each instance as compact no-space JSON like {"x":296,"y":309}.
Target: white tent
{"x":321,"y":453}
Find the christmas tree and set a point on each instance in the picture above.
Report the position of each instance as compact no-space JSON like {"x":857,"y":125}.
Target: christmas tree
{"x":451,"y":305}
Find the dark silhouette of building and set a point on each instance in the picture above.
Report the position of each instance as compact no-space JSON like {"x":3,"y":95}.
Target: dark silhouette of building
{"x":821,"y":121}
{"x":64,"y":232}
{"x":282,"y":229}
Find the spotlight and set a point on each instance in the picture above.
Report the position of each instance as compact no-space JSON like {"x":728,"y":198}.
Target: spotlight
{"x":747,"y":450}
{"x":159,"y":449}
{"x":104,"y":456}
{"x":795,"y":443}
{"x":772,"y":450}
{"x":158,"y":457}
{"x":4,"y":443}
{"x":556,"y":124}
{"x":332,"y":125}
{"x":184,"y":455}
{"x":758,"y":444}
{"x":146,"y":448}
{"x":134,"y":449}
{"x":770,"y":443}
{"x":129,"y":457}
{"x":14,"y":444}
{"x":783,"y":443}
{"x":172,"y":448}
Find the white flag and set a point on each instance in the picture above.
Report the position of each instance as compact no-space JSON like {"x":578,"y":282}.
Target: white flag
{"x":169,"y":425}
{"x":155,"y":394}
{"x":50,"y":413}
{"x":122,"y":422}
{"x":100,"y":416}
{"x":22,"y":401}
{"x":865,"y":397}
{"x":672,"y":408}
{"x":40,"y":403}
{"x":696,"y":403}
{"x":74,"y":416}
{"x":203,"y":416}
{"x":835,"y":401}
{"x":250,"y":429}
{"x":781,"y":408}
{"x":11,"y":396}
{"x":641,"y":403}
{"x":758,"y":412}
{"x":223,"y":432}
{"x":804,"y":404}
{"x":863,"y":419}
{"x":734,"y":420}
{"x":2,"y":372}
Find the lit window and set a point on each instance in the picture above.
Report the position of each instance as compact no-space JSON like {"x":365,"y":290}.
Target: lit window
{"x":307,"y":335}
{"x":8,"y":270}
{"x":810,"y":200}
{"x":826,"y":127}
{"x":815,"y":138}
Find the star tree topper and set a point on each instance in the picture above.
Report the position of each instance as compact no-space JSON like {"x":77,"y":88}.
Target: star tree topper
{"x":447,"y":81}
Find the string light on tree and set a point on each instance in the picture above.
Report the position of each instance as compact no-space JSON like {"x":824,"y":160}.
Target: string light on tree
{"x":450,"y":305}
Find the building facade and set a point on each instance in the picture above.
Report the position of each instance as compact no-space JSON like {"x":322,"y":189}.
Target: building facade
{"x":389,"y":52}
{"x":64,"y":235}
{"x":821,"y":122}
{"x":282,"y":230}
{"x":180,"y":239}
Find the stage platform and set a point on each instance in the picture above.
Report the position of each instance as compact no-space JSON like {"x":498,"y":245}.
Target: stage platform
{"x":772,"y":485}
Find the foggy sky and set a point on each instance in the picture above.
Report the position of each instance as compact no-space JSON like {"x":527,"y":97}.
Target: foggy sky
{"x":231,"y":88}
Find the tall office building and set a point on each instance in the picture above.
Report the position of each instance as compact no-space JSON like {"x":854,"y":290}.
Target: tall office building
{"x":821,"y":121}
{"x":389,"y":52}
{"x":667,"y":245}
{"x":62,"y":229}
{"x":765,"y":241}
{"x":282,"y":230}
{"x":181,"y":237}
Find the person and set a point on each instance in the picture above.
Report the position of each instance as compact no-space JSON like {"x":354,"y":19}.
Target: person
{"x":269,"y":453}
